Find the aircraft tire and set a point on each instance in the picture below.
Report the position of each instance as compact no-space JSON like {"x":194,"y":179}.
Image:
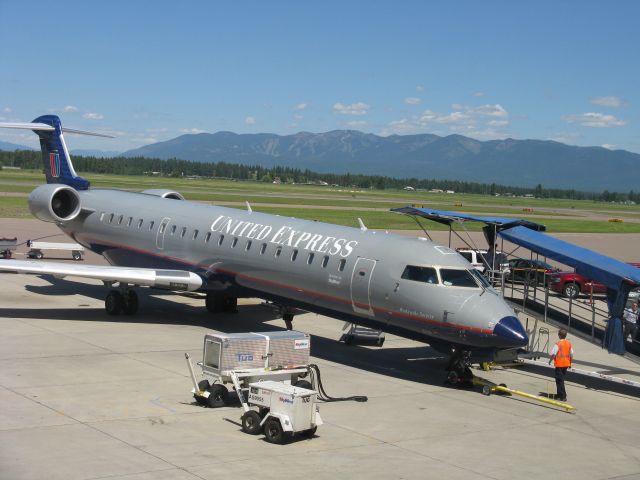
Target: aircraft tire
{"x":114,"y":303}
{"x":130,"y":303}
{"x":76,"y":255}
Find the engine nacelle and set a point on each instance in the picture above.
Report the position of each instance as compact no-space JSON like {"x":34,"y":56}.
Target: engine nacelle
{"x":54,"y":202}
{"x":161,"y":192}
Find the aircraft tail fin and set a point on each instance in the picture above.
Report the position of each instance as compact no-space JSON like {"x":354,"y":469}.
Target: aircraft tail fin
{"x":55,"y":156}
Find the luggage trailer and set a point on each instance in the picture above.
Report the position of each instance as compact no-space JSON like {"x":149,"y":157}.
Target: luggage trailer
{"x":36,"y":249}
{"x":7,"y":246}
{"x":266,"y":370}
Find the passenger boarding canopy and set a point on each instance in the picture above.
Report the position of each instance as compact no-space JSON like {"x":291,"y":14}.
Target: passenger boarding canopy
{"x":606,"y":270}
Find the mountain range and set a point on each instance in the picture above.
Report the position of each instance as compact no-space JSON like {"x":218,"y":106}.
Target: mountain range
{"x":524,"y":163}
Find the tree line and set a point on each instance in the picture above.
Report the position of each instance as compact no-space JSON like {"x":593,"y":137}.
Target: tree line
{"x":28,"y":159}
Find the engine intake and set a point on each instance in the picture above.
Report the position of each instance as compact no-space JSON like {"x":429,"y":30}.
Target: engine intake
{"x":161,"y":192}
{"x":54,"y":203}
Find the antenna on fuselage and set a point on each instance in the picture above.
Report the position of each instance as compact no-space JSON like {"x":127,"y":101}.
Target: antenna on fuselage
{"x":248,"y":207}
{"x":363,"y":227}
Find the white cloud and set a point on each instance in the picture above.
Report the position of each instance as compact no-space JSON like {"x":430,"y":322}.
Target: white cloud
{"x":297,"y":116}
{"x":594,"y":120}
{"x":191,"y":130}
{"x":412,"y":100}
{"x":250,"y":120}
{"x":70,"y":109}
{"x":7,"y":110}
{"x":483,"y":121}
{"x":419,"y":88}
{"x":478,"y":94}
{"x":357,"y":124}
{"x":609,"y":146}
{"x":358,"y":108}
{"x":300,"y":106}
{"x":611,"y":101}
{"x":93,"y":116}
{"x":144,"y":140}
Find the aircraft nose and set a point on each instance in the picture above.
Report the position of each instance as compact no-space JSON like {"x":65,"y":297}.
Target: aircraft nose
{"x":511,"y":333}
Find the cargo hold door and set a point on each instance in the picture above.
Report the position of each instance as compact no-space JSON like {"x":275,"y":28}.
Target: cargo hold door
{"x":361,"y":286}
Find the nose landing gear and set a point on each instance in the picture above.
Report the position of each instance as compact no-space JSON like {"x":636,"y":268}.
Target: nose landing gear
{"x":459,"y":371}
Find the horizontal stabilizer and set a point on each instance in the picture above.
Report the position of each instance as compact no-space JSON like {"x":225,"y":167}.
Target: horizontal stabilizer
{"x":43,"y":127}
{"x":148,"y":277}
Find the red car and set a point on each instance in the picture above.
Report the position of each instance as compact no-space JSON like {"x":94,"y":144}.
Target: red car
{"x":571,"y":284}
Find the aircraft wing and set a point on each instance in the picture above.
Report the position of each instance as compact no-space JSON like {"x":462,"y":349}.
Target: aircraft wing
{"x":148,"y":277}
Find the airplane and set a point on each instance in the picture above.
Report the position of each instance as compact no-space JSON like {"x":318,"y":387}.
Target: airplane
{"x":407,"y":286}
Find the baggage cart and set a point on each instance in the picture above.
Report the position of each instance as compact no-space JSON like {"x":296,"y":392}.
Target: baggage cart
{"x":7,"y":246}
{"x":36,"y":249}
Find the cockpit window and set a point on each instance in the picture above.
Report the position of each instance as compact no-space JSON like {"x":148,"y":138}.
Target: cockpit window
{"x":481,"y":279}
{"x":420,"y":274}
{"x":457,"y":278}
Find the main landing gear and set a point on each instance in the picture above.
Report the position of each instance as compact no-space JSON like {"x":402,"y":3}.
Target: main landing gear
{"x":217,"y":303}
{"x":121,"y":301}
{"x":460,"y":374}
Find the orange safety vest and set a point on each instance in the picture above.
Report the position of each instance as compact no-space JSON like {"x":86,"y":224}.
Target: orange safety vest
{"x":563,"y":357}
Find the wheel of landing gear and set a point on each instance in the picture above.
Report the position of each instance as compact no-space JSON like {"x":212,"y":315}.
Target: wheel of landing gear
{"x":76,"y":255}
{"x":131,"y":303}
{"x":114,"y":303}
{"x":452,"y":378}
{"x":486,"y":390}
{"x":39,"y":255}
{"x":251,"y":422}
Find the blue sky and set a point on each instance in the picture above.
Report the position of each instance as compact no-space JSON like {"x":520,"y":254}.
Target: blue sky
{"x":149,"y":71}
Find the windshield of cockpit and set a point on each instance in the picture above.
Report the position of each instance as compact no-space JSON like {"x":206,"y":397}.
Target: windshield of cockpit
{"x":449,"y":277}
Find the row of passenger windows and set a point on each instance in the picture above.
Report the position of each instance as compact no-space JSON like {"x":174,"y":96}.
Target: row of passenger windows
{"x":449,"y":276}
{"x":118,"y":220}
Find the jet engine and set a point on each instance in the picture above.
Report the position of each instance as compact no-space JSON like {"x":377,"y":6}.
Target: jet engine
{"x":55,"y":203}
{"x":161,"y":192}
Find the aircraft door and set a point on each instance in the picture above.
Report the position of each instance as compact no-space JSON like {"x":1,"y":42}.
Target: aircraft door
{"x":361,"y":286}
{"x":162,"y":230}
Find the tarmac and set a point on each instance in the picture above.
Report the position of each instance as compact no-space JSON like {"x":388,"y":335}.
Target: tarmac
{"x":87,"y":396}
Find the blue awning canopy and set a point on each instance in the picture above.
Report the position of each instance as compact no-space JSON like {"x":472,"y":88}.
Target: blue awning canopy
{"x":606,"y":270}
{"x":447,"y":218}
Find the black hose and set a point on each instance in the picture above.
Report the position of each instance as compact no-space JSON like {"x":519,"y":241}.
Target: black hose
{"x":316,"y":380}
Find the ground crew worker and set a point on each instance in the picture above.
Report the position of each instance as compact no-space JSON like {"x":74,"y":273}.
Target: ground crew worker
{"x":562,"y":355}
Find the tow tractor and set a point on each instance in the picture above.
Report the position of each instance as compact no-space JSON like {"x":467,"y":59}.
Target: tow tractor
{"x":7,"y":245}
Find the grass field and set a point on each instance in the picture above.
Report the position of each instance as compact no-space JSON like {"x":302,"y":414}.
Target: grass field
{"x":344,"y":205}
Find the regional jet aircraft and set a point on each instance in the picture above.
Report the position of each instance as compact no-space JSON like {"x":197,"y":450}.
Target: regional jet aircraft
{"x":407,"y":286}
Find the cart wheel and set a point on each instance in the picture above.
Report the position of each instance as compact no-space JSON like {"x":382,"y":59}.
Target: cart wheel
{"x":39,"y":255}
{"x":251,"y":422}
{"x":309,"y":433}
{"x":273,"y":432}
{"x":486,"y":390}
{"x":76,"y":255}
{"x":218,"y":394}
{"x":204,"y":385}
{"x":303,"y":384}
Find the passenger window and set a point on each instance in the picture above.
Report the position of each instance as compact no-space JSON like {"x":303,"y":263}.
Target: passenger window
{"x":294,"y":255}
{"x":129,"y":221}
{"x":278,"y":252}
{"x":195,"y":234}
{"x":341,"y":265}
{"x":420,"y":274}
{"x":151,"y":225}
{"x":111,"y":218}
{"x":457,"y":278}
{"x":101,"y":216}
{"x":310,"y":259}
{"x":207,"y":237}
{"x":140,"y":223}
{"x":183,"y":232}
{"x":263,"y":248}
{"x":248,"y":245}
{"x":120,"y":218}
{"x":235,"y":242}
{"x":220,"y":240}
{"x":325,"y":261}
{"x":162,"y":227}
{"x":173,"y":229}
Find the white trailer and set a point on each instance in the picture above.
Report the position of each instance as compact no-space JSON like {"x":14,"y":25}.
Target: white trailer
{"x":36,"y":249}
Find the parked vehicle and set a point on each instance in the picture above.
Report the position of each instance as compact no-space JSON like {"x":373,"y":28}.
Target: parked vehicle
{"x":529,"y":271}
{"x":475,"y":258}
{"x":571,"y":284}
